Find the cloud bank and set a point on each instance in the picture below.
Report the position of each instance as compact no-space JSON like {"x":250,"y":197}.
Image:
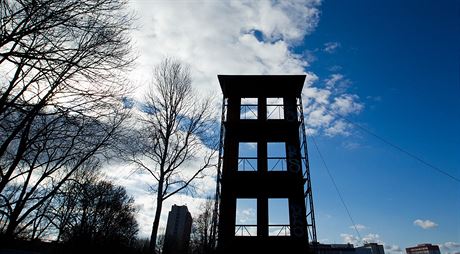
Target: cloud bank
{"x":370,"y":238}
{"x":450,"y":247}
{"x":242,"y":37}
{"x":231,"y":37}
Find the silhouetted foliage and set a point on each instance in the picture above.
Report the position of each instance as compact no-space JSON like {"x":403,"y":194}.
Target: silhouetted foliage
{"x":87,"y":215}
{"x":173,"y":130}
{"x":201,"y":240}
{"x":60,"y":102}
{"x":104,"y":218}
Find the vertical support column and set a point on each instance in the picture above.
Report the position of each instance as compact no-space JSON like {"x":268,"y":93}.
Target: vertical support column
{"x":262,"y":215}
{"x":262,"y":198}
{"x":290,"y":109}
{"x":228,"y":202}
{"x":229,"y":169}
{"x":262,"y":108}
{"x":233,"y":109}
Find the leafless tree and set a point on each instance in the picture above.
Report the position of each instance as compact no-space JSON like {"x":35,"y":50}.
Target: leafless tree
{"x":201,"y":240}
{"x":176,"y":131}
{"x":60,"y":104}
{"x":62,"y":213}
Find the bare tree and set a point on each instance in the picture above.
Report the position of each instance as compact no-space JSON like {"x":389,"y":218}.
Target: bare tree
{"x":176,"y":131}
{"x":61,"y":89}
{"x":201,"y":240}
{"x":63,"y":211}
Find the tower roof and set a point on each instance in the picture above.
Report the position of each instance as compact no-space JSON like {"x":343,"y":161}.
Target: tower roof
{"x":261,"y":85}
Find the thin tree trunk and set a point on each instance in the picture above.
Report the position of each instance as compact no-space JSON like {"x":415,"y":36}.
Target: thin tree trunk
{"x":156,"y":221}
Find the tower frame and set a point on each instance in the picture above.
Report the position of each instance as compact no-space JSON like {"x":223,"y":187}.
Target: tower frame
{"x":293,"y":182}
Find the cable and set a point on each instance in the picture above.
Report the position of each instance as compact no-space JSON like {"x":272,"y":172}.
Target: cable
{"x":336,"y":188}
{"x":413,"y":156}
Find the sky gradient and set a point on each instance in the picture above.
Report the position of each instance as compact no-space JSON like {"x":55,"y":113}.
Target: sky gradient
{"x":392,"y":67}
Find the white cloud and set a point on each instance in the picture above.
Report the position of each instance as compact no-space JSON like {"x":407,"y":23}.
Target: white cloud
{"x":350,"y":145}
{"x":337,"y":83}
{"x":346,"y":104}
{"x":228,"y":37}
{"x":331,"y":47}
{"x":333,"y":79}
{"x":393,"y":248}
{"x":245,"y":215}
{"x":339,"y":127}
{"x":370,"y":238}
{"x":425,"y":224}
{"x":450,"y":247}
{"x":219,"y":37}
{"x":324,"y":107}
{"x":349,"y":238}
{"x":359,"y":227}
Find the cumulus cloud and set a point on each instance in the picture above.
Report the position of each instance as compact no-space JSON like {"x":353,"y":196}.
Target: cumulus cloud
{"x":359,"y":227}
{"x":240,"y":37}
{"x":245,"y":215}
{"x":450,"y":247}
{"x":218,"y":37}
{"x":349,"y":238}
{"x":333,"y":79}
{"x":229,"y":37}
{"x":331,"y":47}
{"x":393,"y":248}
{"x":338,"y":83}
{"x":339,"y":127}
{"x":425,"y":224}
{"x":346,"y":104}
{"x":370,"y":238}
{"x":325,"y":106}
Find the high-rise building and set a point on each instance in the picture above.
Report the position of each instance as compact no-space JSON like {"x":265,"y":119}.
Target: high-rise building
{"x":425,"y":248}
{"x":264,"y":161}
{"x":178,"y":230}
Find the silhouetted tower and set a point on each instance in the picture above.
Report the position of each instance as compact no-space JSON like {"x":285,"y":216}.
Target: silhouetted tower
{"x":178,"y":230}
{"x":263,"y":113}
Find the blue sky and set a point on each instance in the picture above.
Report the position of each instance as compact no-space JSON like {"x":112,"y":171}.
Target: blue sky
{"x":402,"y":59}
{"x":389,"y":66}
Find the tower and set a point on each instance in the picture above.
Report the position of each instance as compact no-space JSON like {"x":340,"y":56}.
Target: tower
{"x":178,"y":229}
{"x":263,"y":113}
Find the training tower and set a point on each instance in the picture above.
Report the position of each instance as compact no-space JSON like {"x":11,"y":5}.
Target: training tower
{"x":263,"y":113}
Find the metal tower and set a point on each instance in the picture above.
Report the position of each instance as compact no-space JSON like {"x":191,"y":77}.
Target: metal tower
{"x":265,"y":112}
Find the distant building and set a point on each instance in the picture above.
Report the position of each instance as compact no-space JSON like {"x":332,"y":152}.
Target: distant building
{"x":335,"y":249}
{"x":178,"y":230}
{"x":370,"y":248}
{"x":425,"y":248}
